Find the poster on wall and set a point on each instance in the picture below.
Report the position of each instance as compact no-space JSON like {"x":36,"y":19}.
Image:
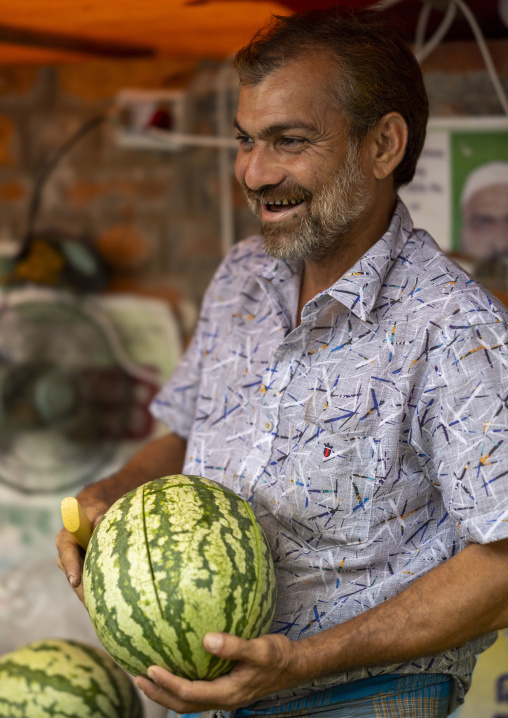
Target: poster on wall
{"x":460,"y":190}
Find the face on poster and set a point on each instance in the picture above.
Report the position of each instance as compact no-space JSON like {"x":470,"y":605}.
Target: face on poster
{"x":460,"y":190}
{"x":480,"y":193}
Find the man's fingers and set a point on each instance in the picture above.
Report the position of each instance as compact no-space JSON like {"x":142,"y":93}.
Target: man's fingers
{"x":70,"y":561}
{"x":70,"y":557}
{"x":97,"y":518}
{"x":70,"y":554}
{"x":185,"y":689}
{"x":80,"y":594}
{"x":166,"y":699}
{"x":152,"y":691}
{"x":185,"y":696}
{"x":258,"y":652}
{"x":259,"y":664}
{"x":227,"y":646}
{"x":179,"y":694}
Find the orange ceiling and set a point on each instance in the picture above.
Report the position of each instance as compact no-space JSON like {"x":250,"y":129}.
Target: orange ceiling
{"x":176,"y":28}
{"x":46,"y":31}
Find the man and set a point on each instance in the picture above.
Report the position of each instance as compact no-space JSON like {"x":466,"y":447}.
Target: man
{"x":346,"y":378}
{"x":484,"y":206}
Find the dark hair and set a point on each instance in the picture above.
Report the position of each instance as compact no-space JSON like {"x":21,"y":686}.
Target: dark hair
{"x":378,"y":73}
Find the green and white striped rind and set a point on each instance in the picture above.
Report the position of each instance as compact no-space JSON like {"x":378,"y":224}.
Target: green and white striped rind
{"x":171,"y":561}
{"x":65,"y":679}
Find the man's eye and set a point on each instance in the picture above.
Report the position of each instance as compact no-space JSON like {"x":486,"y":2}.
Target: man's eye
{"x":243,"y":139}
{"x":288,"y":141}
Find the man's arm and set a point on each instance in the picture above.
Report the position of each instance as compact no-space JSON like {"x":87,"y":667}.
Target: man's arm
{"x":161,"y":457}
{"x":463,"y":598}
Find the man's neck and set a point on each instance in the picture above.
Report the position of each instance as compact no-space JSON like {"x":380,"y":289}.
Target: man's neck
{"x":320,"y":274}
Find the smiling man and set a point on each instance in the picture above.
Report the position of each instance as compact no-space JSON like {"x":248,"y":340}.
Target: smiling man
{"x":311,"y":190}
{"x":312,"y":186}
{"x":351,"y":382}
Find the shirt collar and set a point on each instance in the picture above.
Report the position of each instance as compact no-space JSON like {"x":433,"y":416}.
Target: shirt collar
{"x":359,"y":288}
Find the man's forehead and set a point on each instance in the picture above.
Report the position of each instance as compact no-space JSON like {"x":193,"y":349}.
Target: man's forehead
{"x":295,"y":96}
{"x":491,"y":199}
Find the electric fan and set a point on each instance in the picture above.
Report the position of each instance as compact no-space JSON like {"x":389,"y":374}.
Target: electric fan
{"x":69,"y":394}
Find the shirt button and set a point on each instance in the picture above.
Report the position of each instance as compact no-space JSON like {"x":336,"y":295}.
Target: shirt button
{"x":268,"y":425}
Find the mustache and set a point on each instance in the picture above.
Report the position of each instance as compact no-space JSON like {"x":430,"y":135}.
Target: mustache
{"x":277,"y":193}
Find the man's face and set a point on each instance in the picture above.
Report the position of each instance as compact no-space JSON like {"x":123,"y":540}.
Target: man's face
{"x":485,"y":229}
{"x":299,"y":170}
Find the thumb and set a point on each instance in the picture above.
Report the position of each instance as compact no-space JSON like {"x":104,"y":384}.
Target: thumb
{"x":97,"y":518}
{"x":226,"y":646}
{"x":95,"y":510}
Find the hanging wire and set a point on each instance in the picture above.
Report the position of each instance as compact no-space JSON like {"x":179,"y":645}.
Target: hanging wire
{"x":49,"y":166}
{"x":382,"y":4}
{"x":485,"y":53}
{"x":421,"y":27}
{"x":423,"y":49}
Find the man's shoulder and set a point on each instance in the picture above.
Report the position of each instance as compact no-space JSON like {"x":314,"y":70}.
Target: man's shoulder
{"x":247,"y":258}
{"x":244,"y":260}
{"x":424,"y":279}
{"x":247,"y":252}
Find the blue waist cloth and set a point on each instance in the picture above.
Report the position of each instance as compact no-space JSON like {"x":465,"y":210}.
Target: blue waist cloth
{"x":391,"y":682}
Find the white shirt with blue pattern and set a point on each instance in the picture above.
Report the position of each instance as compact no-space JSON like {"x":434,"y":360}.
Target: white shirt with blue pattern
{"x":369,"y":439}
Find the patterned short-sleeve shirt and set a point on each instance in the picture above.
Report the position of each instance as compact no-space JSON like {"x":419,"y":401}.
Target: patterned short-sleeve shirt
{"x":369,"y":438}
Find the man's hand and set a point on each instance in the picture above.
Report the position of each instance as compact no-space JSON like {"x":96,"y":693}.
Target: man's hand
{"x":70,"y":554}
{"x":160,"y":457}
{"x":265,"y":665}
{"x":458,"y":600}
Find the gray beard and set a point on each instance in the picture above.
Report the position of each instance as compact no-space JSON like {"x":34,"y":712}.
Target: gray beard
{"x":331,"y":213}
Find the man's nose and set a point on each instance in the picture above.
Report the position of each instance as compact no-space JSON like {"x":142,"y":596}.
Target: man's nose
{"x":260,"y":168}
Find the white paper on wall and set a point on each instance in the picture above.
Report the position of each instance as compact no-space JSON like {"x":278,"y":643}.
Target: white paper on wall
{"x":455,"y":149}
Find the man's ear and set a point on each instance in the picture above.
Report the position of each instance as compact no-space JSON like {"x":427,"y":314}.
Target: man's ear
{"x":388,"y":144}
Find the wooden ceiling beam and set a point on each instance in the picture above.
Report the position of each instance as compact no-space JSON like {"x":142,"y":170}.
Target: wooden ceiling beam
{"x":68,"y":43}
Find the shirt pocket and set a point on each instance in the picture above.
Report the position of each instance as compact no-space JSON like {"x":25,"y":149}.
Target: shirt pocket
{"x":329,"y":485}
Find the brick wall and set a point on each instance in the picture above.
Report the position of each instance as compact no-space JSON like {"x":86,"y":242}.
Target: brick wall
{"x":165,"y":203}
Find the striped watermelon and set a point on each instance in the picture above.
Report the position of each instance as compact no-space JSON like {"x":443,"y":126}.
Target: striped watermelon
{"x":170,"y":561}
{"x":65,"y":679}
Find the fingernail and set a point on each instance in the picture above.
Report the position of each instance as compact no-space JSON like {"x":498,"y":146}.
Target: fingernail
{"x":71,"y":580}
{"x":213,"y":641}
{"x":152,"y":675}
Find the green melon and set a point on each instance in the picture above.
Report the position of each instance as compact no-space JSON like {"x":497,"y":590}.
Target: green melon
{"x":65,"y":679}
{"x":171,"y":561}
